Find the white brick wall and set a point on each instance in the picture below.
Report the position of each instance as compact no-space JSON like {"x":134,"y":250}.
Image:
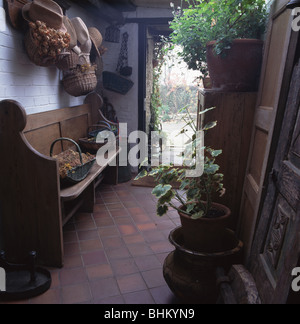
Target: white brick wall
{"x":38,"y":89}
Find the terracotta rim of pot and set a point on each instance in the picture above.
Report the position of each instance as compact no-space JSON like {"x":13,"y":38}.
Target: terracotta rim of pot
{"x":240,"y":41}
{"x":226,"y":210}
{"x":222,"y":254}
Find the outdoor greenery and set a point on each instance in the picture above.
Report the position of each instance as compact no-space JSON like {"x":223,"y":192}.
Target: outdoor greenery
{"x":195,"y":194}
{"x":215,"y":20}
{"x":173,"y":97}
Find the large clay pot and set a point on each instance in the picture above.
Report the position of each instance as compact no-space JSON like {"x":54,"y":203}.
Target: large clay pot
{"x":240,"y":70}
{"x":191,"y":275}
{"x":206,"y":234}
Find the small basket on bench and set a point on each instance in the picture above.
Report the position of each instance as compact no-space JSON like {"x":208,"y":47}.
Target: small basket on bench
{"x":89,"y":143}
{"x":72,"y":171}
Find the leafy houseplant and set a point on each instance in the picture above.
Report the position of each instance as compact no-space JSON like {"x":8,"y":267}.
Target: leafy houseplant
{"x":203,"y":221}
{"x":221,"y":21}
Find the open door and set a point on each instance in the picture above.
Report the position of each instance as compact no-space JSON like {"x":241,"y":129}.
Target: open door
{"x":276,"y":248}
{"x":279,"y":56}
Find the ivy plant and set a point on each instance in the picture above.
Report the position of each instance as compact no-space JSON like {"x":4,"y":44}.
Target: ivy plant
{"x":215,"y":20}
{"x":192,"y":196}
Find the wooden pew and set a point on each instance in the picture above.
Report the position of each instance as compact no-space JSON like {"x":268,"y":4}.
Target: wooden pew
{"x":33,"y":207}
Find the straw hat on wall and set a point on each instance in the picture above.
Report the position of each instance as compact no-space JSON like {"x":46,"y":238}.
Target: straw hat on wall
{"x":46,"y":11}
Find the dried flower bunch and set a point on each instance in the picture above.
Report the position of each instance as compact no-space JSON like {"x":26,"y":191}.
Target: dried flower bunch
{"x":69,"y":160}
{"x":49,"y":41}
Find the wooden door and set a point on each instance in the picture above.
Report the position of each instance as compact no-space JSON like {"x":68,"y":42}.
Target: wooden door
{"x":276,"y":74}
{"x":276,"y":247}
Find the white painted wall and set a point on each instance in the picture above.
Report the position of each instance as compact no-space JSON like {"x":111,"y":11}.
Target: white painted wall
{"x":40,"y":89}
{"x":126,"y":106}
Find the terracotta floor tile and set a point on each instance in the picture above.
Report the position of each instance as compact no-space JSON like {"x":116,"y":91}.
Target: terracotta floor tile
{"x":90,"y":245}
{"x":112,"y":200}
{"x":131,"y":283}
{"x":116,"y":300}
{"x":124,"y":193}
{"x":112,"y":243}
{"x":119,"y":213}
{"x":50,"y":297}
{"x":71,"y":248}
{"x":99,"y":201}
{"x":136,"y":211}
{"x":72,"y":276}
{"x":108,"y":195}
{"x":99,"y":272}
{"x":127,"y":229}
{"x":140,"y":249}
{"x":115,"y":206}
{"x":148,"y":262}
{"x":104,"y":288}
{"x":141,"y":218}
{"x":104,"y":222}
{"x":99,"y":209}
{"x":166,"y":225}
{"x":76,"y":294}
{"x":161,"y":247}
{"x":163,"y":296}
{"x":162,"y":257}
{"x":123,"y":220}
{"x":154,"y":236}
{"x":91,"y":258}
{"x":147,"y":227}
{"x":55,"y":279}
{"x":129,"y":203}
{"x":139,"y":298}
{"x":118,"y":253}
{"x":123,"y":267}
{"x":108,"y":231}
{"x":73,"y":261}
{"x":84,"y":226}
{"x":101,"y":214}
{"x":88,"y":235}
{"x":154,"y":278}
{"x":132,"y":239}
{"x":115,"y":255}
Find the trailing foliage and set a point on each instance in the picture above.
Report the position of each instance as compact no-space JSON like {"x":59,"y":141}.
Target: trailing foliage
{"x":215,"y":20}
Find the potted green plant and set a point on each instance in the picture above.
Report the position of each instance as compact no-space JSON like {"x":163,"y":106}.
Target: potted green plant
{"x":222,"y":39}
{"x":203,"y":242}
{"x":203,"y":221}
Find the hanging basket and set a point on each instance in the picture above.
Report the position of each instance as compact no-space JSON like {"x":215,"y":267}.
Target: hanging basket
{"x":67,"y":62}
{"x":33,"y":52}
{"x":80,"y":84}
{"x":116,"y":83}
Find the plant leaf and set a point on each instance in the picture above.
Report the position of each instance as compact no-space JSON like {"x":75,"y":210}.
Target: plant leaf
{"x":198,"y":215}
{"x":161,"y":190}
{"x":141,"y":175}
{"x":162,"y":210}
{"x":210,"y":125}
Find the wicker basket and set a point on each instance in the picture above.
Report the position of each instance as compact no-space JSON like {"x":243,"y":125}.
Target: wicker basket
{"x":116,"y":83}
{"x":89,"y":144}
{"x":78,"y":173}
{"x":67,"y":62}
{"x":80,"y":84}
{"x":33,"y":52}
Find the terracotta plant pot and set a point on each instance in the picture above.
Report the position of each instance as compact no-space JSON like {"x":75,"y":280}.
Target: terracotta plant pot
{"x":206,"y":234}
{"x":191,"y":275}
{"x":240,"y":70}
